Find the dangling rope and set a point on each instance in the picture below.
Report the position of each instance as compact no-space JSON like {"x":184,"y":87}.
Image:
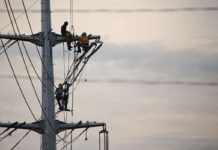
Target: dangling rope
{"x":64,"y":60}
{"x":71,"y":17}
{"x":73,"y":31}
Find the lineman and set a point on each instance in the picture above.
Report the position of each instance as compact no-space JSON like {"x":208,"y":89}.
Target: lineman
{"x":58,"y":95}
{"x":62,"y":95}
{"x":65,"y":96}
{"x":84,"y":43}
{"x":66,"y":34}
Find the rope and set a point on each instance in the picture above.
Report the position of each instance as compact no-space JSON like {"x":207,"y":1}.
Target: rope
{"x":64,"y":59}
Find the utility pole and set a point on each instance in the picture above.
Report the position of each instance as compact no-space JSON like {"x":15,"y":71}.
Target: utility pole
{"x":48,"y":103}
{"x":48,"y":126}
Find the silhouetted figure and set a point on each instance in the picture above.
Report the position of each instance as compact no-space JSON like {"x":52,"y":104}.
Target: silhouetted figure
{"x":58,"y":95}
{"x":65,"y":96}
{"x":66,"y":34}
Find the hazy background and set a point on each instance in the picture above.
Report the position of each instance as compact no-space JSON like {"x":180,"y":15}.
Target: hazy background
{"x":154,"y":81}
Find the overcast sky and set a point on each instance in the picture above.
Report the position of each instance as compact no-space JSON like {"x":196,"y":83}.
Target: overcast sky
{"x":154,"y":81}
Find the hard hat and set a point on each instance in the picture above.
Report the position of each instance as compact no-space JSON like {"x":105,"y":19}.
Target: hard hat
{"x":84,"y":34}
{"x":66,"y":22}
{"x":60,"y":85}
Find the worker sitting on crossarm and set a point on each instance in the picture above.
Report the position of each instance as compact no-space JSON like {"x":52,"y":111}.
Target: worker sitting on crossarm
{"x":66,"y":34}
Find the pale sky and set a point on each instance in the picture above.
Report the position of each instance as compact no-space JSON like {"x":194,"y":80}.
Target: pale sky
{"x":154,"y":81}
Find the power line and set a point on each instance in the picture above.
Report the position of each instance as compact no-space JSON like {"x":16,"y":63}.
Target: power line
{"x":26,"y":64}
{"x":25,"y":61}
{"x":8,"y":128}
{"x":28,"y":20}
{"x":14,"y":71}
{"x":3,"y":10}
{"x":13,"y":147}
{"x":136,"y":81}
{"x":9,"y":134}
{"x":75,"y":139}
{"x":7,"y":47}
{"x":137,"y":10}
{"x":22,"y":52}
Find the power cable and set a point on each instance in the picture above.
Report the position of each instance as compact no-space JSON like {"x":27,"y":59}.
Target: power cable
{"x":8,"y":128}
{"x":75,"y":139}
{"x":28,"y":71}
{"x":19,"y":84}
{"x":127,"y":10}
{"x":5,"y":44}
{"x":85,"y":62}
{"x":17,"y":16}
{"x":13,"y":147}
{"x":9,"y":134}
{"x":25,"y":51}
{"x":25,"y":10}
{"x":7,"y":47}
{"x":18,"y":42}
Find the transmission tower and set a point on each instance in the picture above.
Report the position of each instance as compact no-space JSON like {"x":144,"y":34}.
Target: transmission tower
{"x":48,"y":126}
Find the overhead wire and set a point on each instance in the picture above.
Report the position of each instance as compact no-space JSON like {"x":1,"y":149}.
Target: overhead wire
{"x":25,"y":10}
{"x":22,"y":93}
{"x":8,"y":46}
{"x":27,"y":53}
{"x":128,"y":10}
{"x":75,"y":139}
{"x":18,"y":42}
{"x":4,"y":27}
{"x":25,"y":48}
{"x":5,"y":44}
{"x":28,"y":70}
{"x":9,"y":134}
{"x":18,"y":142}
{"x":8,"y":128}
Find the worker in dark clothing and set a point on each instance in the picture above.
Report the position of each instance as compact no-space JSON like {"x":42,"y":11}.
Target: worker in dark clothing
{"x":58,"y":95}
{"x":65,"y":96}
{"x":66,"y":34}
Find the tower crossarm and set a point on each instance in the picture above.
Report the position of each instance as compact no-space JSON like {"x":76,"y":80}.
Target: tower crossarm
{"x":60,"y":39}
{"x":35,"y":38}
{"x":35,"y":126}
{"x":38,"y":38}
{"x":71,"y":126}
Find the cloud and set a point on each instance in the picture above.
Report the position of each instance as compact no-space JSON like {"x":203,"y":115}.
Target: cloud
{"x":154,"y":61}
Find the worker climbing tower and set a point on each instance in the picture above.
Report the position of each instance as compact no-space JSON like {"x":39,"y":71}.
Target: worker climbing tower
{"x":48,"y":126}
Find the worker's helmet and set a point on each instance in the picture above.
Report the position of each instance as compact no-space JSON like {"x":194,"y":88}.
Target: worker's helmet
{"x":60,"y":85}
{"x":84,"y":34}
